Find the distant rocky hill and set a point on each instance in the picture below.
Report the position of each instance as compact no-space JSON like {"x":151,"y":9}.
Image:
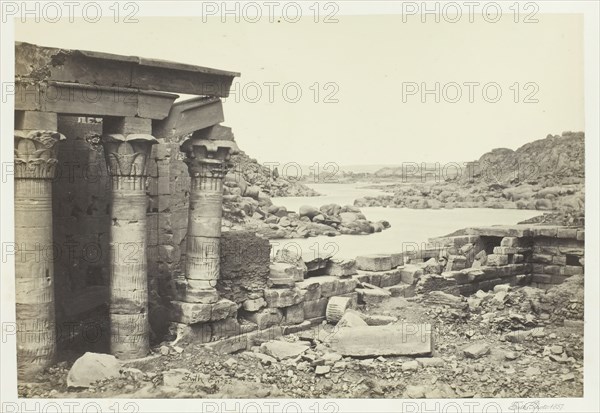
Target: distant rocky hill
{"x":546,"y":174}
{"x":555,"y":160}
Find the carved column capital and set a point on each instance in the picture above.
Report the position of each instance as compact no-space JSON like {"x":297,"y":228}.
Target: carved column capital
{"x":126,"y":155}
{"x":126,"y":158}
{"x":35,"y":153}
{"x":208,"y":158}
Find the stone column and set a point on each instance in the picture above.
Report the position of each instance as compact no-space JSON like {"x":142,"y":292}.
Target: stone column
{"x":126,"y":157}
{"x":208,"y":163}
{"x":35,"y":165}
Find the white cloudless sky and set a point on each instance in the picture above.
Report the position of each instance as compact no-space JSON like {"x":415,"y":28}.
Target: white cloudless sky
{"x":359,"y":66}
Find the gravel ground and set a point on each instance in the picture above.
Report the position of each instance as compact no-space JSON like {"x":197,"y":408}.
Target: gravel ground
{"x":547,"y":361}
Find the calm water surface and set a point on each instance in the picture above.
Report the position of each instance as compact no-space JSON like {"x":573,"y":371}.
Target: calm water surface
{"x":408,"y":226}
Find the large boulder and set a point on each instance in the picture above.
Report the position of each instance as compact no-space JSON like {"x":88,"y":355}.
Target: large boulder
{"x":92,"y":367}
{"x":308,"y":211}
{"x":348,"y":217}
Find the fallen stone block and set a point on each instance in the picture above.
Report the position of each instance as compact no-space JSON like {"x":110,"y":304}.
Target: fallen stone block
{"x":296,"y":328}
{"x":372,"y":295}
{"x":316,"y":264}
{"x":223,"y":309}
{"x":542,"y":258}
{"x":345,"y":286}
{"x":293,"y":314}
{"x":315,"y":308}
{"x":329,"y":285}
{"x":265,"y":318}
{"x":309,"y":289}
{"x":402,"y":290}
{"x":456,"y":262}
{"x":374,"y":262}
{"x":442,"y":298}
{"x":397,"y":259}
{"x":199,"y":333}
{"x":406,"y":339}
{"x":390,"y":278}
{"x":340,"y":268}
{"x":494,"y":260}
{"x":258,"y":337}
{"x":506,"y":250}
{"x":281,"y":272}
{"x":282,"y":350}
{"x":510,"y":242}
{"x":292,"y":257}
{"x":363,"y":277}
{"x":351,"y":318}
{"x":432,"y":266}
{"x":410,"y":273}
{"x":92,"y":367}
{"x":279,"y":297}
{"x":192,"y":313}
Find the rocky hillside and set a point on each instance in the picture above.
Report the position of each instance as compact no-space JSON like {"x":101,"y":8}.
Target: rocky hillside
{"x":268,"y":180}
{"x":555,"y":160}
{"x":547,"y":174}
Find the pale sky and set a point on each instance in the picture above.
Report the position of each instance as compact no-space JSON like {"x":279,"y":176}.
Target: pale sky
{"x":367,"y":58}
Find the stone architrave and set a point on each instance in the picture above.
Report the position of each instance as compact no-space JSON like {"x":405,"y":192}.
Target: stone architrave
{"x":35,"y":166}
{"x":126,"y":158}
{"x":208,"y":163}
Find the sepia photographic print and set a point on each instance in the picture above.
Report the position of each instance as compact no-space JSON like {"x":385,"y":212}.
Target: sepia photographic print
{"x":310,"y":206}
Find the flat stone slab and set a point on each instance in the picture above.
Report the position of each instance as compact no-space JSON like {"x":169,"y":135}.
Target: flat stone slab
{"x":283,"y":349}
{"x":374,"y":262}
{"x":406,"y":339}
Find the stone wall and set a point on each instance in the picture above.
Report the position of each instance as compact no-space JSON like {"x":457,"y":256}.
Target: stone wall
{"x":541,"y":256}
{"x":168,"y":186}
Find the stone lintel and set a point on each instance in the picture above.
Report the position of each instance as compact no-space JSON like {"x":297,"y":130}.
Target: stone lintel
{"x":126,"y":125}
{"x":30,"y":120}
{"x":92,"y":100}
{"x":40,"y":63}
{"x":190,"y":115}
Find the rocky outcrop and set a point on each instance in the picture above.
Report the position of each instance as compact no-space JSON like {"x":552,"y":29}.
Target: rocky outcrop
{"x":267,"y":180}
{"x":546,"y":175}
{"x":331,"y":220}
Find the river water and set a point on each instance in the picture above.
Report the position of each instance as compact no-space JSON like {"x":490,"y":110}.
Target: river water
{"x":409,"y":227}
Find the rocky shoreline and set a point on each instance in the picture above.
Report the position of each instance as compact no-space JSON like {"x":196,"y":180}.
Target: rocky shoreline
{"x":276,"y":222}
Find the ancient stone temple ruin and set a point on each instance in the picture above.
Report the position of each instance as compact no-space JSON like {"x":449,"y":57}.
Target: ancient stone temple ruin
{"x":129,"y":102}
{"x":119,"y":196}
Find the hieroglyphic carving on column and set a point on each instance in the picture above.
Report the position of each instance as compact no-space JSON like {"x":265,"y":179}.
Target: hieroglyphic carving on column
{"x":126,"y":158}
{"x":35,"y":167}
{"x":208,"y":163}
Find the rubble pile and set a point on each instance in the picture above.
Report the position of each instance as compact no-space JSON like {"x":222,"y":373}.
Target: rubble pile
{"x":509,"y":342}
